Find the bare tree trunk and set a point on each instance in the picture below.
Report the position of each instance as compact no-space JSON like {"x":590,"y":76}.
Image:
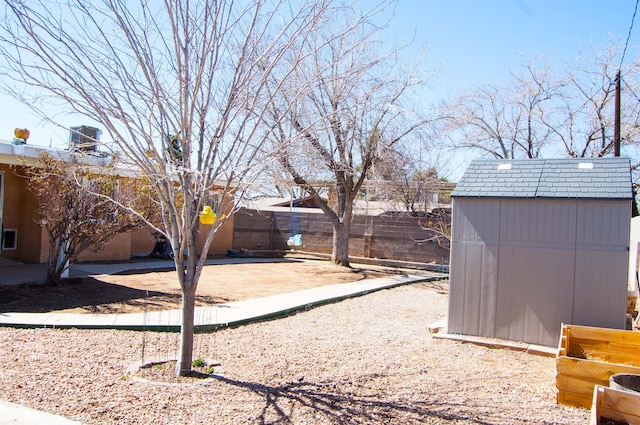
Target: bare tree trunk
{"x":57,"y":260}
{"x":185,"y":353}
{"x":52,"y":260}
{"x":185,"y":258}
{"x":53,"y":278}
{"x":340,"y":252}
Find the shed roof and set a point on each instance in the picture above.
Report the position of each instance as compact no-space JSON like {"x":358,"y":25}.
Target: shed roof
{"x":586,"y":178}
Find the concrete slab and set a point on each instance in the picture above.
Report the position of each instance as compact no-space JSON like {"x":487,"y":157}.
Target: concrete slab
{"x":15,"y":414}
{"x":17,"y":274}
{"x":539,"y":350}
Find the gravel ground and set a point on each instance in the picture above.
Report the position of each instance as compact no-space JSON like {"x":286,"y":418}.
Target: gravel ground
{"x":365,"y":360}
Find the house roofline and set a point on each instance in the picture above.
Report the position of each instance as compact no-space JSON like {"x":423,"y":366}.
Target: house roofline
{"x":24,"y":154}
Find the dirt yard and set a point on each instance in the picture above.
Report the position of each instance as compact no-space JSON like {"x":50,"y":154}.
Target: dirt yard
{"x":137,"y":290}
{"x":364,"y":360}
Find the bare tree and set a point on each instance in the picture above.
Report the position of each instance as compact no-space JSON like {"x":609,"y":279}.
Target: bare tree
{"x":506,"y":121}
{"x":178,"y":86}
{"x":357,"y":108}
{"x":588,"y":105}
{"x":542,"y":112}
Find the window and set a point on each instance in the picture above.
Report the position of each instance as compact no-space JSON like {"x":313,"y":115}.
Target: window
{"x":9,"y":239}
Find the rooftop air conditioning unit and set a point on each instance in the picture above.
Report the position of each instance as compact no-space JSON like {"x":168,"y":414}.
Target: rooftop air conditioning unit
{"x":84,"y":138}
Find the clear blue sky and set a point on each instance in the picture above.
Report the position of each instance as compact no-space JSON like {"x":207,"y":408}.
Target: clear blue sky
{"x":477,"y":41}
{"x":471,"y":42}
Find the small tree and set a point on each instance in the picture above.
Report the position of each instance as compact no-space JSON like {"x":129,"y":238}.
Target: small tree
{"x":439,"y":224}
{"x":400,"y":180}
{"x":74,"y":208}
{"x":178,"y":86}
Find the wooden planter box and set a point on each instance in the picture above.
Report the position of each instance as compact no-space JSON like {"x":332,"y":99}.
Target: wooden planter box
{"x":621,"y":406}
{"x":588,"y":357}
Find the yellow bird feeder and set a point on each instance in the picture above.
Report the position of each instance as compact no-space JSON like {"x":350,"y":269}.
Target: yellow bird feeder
{"x":208,"y":216}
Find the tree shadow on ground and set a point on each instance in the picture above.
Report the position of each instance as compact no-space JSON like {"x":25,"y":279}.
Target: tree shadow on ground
{"x":89,"y":295}
{"x":339,"y":406}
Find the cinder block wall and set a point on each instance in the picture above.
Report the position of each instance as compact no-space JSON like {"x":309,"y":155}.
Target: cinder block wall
{"x":397,"y":238}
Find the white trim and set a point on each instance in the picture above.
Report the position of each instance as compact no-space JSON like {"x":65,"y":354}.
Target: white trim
{"x":11,"y":154}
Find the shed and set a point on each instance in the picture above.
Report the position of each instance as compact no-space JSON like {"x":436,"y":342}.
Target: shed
{"x":538,"y":243}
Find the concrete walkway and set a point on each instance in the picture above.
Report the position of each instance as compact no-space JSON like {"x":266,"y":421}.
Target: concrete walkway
{"x":215,"y":316}
{"x":206,"y":318}
{"x":15,"y":414}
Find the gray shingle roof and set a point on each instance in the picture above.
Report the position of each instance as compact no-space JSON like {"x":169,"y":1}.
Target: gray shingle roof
{"x":587,"y":178}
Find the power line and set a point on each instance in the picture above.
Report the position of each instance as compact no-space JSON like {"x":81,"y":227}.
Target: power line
{"x":616,"y":127}
{"x":630,"y":89}
{"x":626,"y":44}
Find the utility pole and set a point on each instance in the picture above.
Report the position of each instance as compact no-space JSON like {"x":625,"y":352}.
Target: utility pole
{"x":616,"y":129}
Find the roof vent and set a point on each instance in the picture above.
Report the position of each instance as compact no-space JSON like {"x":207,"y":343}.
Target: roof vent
{"x":585,"y":165}
{"x":504,"y":166}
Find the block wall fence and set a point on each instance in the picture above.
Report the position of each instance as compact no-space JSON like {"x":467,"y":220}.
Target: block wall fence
{"x":396,"y":238}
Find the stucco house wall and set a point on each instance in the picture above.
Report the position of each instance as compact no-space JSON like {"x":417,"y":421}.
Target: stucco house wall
{"x":19,"y":211}
{"x":18,"y":207}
